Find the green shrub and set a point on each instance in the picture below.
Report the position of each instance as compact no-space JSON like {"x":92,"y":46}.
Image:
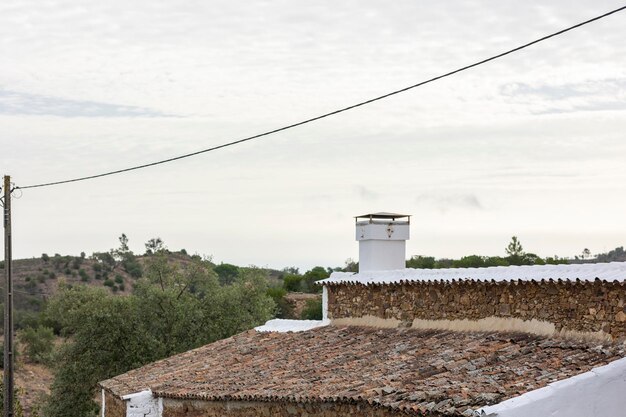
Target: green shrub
{"x":109,"y":283}
{"x":52,"y":275}
{"x":119,"y":279}
{"x":83,"y":275}
{"x":132,"y":266}
{"x":97,"y":267}
{"x":292,"y":283}
{"x":312,"y":310}
{"x":226,"y":273}
{"x":41,"y":278}
{"x":76,"y":263}
{"x":284,"y":309}
{"x":122,"y":287}
{"x":67,"y":271}
{"x":45,"y":257}
{"x":39,"y":343}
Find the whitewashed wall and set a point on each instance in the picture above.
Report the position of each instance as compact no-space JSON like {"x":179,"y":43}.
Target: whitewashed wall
{"x":143,"y":404}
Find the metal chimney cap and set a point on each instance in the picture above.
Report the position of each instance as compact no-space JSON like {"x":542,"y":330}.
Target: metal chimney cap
{"x":383,"y":215}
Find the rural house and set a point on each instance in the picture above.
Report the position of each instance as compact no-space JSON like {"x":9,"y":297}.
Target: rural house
{"x":499,"y":341}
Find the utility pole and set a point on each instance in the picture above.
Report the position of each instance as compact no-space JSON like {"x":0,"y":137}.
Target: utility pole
{"x":8,"y":303}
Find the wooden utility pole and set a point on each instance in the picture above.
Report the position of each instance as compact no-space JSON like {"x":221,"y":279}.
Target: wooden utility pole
{"x":8,"y":302}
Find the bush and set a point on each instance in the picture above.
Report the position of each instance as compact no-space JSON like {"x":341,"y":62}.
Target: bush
{"x":39,"y":343}
{"x":312,"y":310}
{"x":45,"y":257}
{"x":52,"y":275}
{"x":76,"y":262}
{"x":67,"y":271}
{"x":41,"y":278}
{"x":292,"y":283}
{"x":284,"y":309}
{"x":122,"y":287}
{"x":309,"y":278}
{"x":83,"y":275}
{"x":97,"y":267}
{"x":226,"y":273}
{"x":119,"y":279}
{"x":109,"y":283}
{"x":132,"y":266}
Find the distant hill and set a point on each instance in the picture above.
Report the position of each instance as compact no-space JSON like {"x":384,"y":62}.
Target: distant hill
{"x":36,"y":279}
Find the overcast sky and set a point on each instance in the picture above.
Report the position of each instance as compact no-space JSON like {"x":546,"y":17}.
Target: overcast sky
{"x":532,"y":145}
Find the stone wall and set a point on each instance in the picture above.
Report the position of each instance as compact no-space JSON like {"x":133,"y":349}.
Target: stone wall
{"x":570,"y":306}
{"x":187,"y":408}
{"x":114,"y":406}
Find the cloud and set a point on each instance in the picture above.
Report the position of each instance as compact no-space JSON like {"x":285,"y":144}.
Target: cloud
{"x":547,"y":98}
{"x":445,"y":202}
{"x":16,"y":103}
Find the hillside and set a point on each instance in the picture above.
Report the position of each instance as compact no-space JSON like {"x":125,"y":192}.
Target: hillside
{"x":37,"y":279}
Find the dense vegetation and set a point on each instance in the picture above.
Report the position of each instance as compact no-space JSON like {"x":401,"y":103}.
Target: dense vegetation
{"x":171,"y":310}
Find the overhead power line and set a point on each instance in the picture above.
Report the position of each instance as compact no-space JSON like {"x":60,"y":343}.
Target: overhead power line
{"x":332,"y":113}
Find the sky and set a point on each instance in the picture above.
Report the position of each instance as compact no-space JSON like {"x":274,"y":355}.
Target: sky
{"x":531,"y":145}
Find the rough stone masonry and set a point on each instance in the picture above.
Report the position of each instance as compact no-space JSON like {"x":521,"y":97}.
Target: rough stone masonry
{"x":577,"y":306}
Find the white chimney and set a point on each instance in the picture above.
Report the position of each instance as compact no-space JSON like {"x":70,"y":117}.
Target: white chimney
{"x":382,"y":241}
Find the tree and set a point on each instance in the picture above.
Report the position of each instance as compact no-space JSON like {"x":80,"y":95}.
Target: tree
{"x":292,"y":283}
{"x":515,"y":251}
{"x":421,"y":262}
{"x":284,"y":309}
{"x":226,"y":273}
{"x":123,"y":245}
{"x":39,"y":343}
{"x":312,"y":310}
{"x":310,"y":277}
{"x":514,"y":248}
{"x":350,"y":265}
{"x":291,"y":270}
{"x":173,"y":308}
{"x":155,"y":245}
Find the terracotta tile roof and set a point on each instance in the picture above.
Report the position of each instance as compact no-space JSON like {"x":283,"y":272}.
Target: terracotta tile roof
{"x":409,"y":370}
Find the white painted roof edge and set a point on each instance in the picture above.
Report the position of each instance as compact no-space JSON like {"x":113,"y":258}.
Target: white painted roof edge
{"x":284,"y":326}
{"x":567,"y":390}
{"x":144,"y":393}
{"x":611,"y":271}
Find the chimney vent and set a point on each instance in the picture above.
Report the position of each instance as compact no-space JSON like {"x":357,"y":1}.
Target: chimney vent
{"x":382,"y":241}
